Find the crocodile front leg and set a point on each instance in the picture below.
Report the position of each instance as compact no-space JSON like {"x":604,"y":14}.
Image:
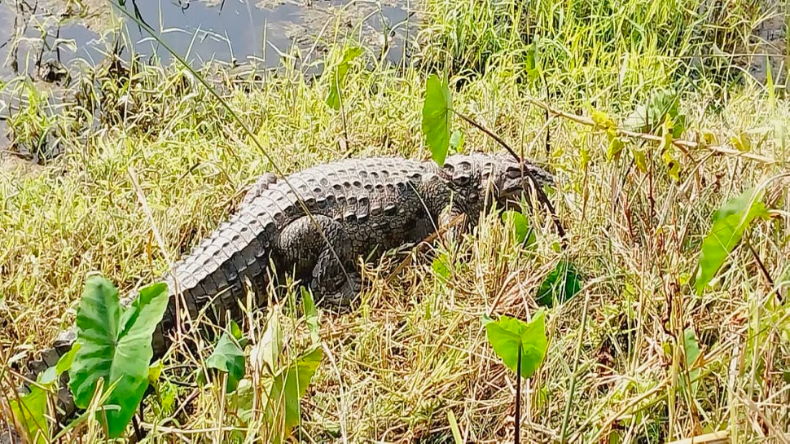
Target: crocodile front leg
{"x":335,"y":283}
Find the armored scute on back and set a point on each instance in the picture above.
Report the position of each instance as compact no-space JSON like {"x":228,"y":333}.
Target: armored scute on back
{"x":317,"y":223}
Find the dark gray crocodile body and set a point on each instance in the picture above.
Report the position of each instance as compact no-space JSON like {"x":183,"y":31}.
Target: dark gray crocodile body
{"x":364,"y":207}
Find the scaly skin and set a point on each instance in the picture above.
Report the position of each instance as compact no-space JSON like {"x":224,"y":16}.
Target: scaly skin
{"x":364,"y":207}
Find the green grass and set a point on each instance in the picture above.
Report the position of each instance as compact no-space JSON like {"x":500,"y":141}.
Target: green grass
{"x":416,"y":347}
{"x":606,"y":52}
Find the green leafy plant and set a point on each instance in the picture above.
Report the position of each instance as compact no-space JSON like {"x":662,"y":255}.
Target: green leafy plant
{"x":35,"y":128}
{"x":115,"y":346}
{"x":334,"y":99}
{"x":521,"y":228}
{"x":457,"y":140}
{"x":512,"y":339}
{"x":290,"y":385}
{"x":521,"y":346}
{"x":282,"y":383}
{"x":692,"y":352}
{"x":441,"y":266}
{"x":532,"y":61}
{"x":602,"y":119}
{"x":729,"y":224}
{"x":311,"y":315}
{"x":562,"y":284}
{"x":30,"y":409}
{"x":228,"y":356}
{"x":648,"y":117}
{"x":615,"y":147}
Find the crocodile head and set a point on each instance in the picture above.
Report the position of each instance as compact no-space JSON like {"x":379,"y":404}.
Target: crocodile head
{"x":478,"y":180}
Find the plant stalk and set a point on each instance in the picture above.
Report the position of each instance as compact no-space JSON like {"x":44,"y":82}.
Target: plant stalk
{"x":517,"y":437}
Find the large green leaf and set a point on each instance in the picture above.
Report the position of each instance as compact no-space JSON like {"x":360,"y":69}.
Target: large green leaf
{"x":115,"y":345}
{"x":436,"y":123}
{"x":560,"y":285}
{"x":505,"y":335}
{"x":296,"y":381}
{"x":729,"y":223}
{"x":228,"y":357}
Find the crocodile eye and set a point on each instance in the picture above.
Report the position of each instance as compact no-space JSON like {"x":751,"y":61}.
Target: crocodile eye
{"x":461,"y":180}
{"x":514,"y":173}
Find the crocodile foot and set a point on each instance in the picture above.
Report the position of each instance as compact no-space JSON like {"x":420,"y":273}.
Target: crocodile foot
{"x":340,"y":296}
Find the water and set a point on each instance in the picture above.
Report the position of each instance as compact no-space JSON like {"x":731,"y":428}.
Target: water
{"x":234,"y":29}
{"x":241,"y":31}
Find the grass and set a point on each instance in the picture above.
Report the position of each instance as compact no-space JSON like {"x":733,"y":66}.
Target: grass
{"x":614,"y":52}
{"x":416,"y":348}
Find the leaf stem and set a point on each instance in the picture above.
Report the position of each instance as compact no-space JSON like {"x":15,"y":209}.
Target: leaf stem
{"x":138,"y":432}
{"x":487,"y":131}
{"x":764,"y":271}
{"x":342,"y":109}
{"x":518,"y":397}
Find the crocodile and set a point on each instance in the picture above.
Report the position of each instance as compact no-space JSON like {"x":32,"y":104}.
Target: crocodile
{"x":315,"y":225}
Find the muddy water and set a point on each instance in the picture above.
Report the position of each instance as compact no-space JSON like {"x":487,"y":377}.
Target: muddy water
{"x":44,"y":38}
{"x":222,"y":30}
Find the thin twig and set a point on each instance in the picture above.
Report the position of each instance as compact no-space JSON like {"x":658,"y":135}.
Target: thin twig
{"x":138,"y":432}
{"x":764,"y":270}
{"x":547,"y":144}
{"x":488,"y":133}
